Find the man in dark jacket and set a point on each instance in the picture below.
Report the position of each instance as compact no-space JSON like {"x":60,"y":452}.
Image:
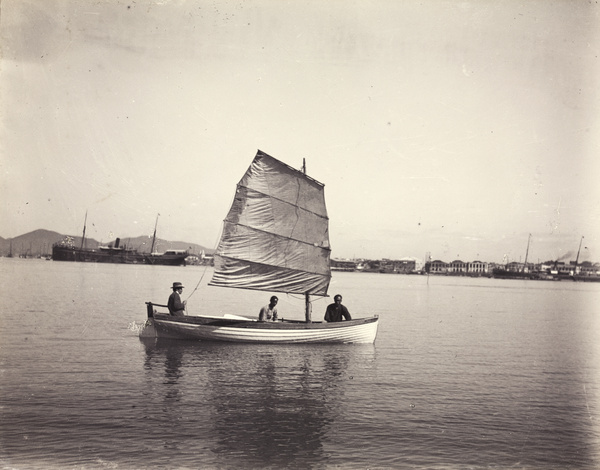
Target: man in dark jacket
{"x":336,"y":310}
{"x":176,"y":306}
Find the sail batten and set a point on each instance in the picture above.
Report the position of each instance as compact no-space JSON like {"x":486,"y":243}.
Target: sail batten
{"x":276,"y":234}
{"x":244,"y":188}
{"x":290,"y":239}
{"x":241,"y":274}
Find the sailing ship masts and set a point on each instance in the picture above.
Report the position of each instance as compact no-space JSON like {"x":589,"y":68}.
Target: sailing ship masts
{"x":526,"y":253}
{"x":578,"y":251}
{"x":84,"y":225}
{"x":154,"y":236}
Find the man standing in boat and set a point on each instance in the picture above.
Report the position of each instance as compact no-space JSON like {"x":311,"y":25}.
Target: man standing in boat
{"x":176,"y":306}
{"x":269,"y":312}
{"x":336,"y":310}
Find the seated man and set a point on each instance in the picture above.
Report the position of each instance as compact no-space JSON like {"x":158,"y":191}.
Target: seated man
{"x":269,"y":311}
{"x":176,"y":306}
{"x":336,"y":310}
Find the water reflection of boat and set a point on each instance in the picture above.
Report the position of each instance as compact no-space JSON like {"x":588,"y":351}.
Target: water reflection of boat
{"x":275,"y":238}
{"x":264,"y":408}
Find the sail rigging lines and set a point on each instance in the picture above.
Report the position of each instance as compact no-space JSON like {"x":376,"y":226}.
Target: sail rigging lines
{"x":205,"y":266}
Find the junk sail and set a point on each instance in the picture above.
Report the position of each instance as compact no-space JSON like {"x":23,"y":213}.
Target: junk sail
{"x":275,"y":236}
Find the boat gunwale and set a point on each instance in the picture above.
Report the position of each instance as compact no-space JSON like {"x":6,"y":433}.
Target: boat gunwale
{"x":282,"y":324}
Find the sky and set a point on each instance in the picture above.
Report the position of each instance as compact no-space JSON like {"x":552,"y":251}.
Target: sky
{"x":450,"y":129}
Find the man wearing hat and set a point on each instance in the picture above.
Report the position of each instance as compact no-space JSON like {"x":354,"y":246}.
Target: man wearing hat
{"x":176,"y":306}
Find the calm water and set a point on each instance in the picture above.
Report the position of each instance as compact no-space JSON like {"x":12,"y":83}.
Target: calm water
{"x":465,"y":373}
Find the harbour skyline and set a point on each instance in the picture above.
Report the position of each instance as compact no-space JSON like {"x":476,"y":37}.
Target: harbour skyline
{"x":39,"y":242}
{"x":455,"y":129}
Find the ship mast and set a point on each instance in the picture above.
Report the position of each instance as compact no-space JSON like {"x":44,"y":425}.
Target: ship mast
{"x":526,"y":253}
{"x":83,"y":236}
{"x":577,"y":259}
{"x":154,"y":236}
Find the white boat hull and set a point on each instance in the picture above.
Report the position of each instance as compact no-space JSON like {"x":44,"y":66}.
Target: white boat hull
{"x":242,"y":330}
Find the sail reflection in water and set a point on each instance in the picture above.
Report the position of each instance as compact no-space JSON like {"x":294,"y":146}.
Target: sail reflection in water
{"x":241,"y":405}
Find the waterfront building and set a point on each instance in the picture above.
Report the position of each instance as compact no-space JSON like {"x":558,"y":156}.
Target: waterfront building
{"x":477,"y":267}
{"x":457,"y":267}
{"x":436,"y":267}
{"x":589,"y":269}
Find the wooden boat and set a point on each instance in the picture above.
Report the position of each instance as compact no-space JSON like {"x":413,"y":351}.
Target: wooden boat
{"x":239,"y":329}
{"x":275,"y":238}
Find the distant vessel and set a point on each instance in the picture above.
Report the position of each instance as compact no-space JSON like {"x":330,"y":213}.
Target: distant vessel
{"x":275,"y":238}
{"x":578,"y":275}
{"x":522,"y":273}
{"x":67,"y":251}
{"x":169,"y":257}
{"x":117,"y":253}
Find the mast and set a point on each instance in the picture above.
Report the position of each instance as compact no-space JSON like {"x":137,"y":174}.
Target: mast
{"x":83,"y":236}
{"x":526,"y":253}
{"x":577,"y":259}
{"x":307,"y":306}
{"x":154,"y":236}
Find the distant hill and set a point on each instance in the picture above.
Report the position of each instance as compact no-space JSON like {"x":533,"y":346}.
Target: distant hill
{"x":39,"y":243}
